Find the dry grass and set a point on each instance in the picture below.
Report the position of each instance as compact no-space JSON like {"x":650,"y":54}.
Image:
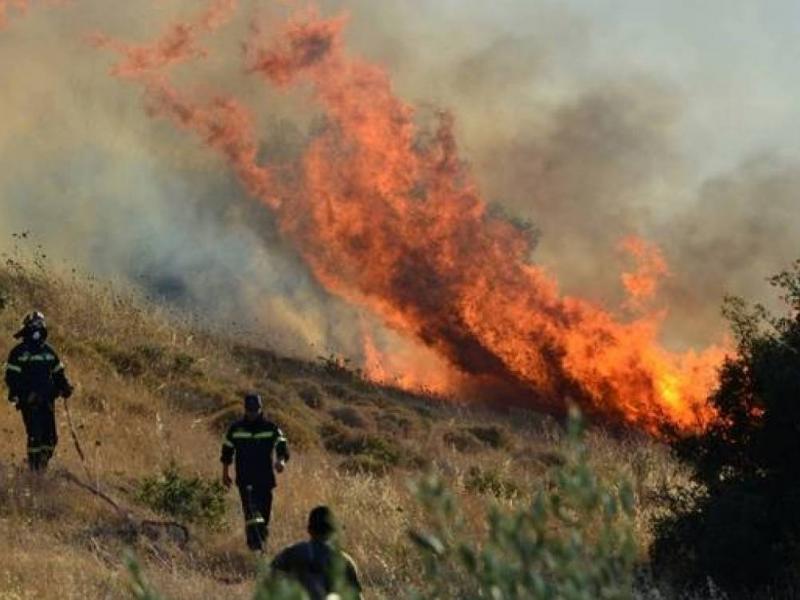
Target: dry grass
{"x":154,"y":388}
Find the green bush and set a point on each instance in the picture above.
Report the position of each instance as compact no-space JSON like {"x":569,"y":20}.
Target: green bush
{"x":574,"y":542}
{"x":342,"y":441}
{"x":193,"y":499}
{"x":740,"y":522}
{"x":491,"y":482}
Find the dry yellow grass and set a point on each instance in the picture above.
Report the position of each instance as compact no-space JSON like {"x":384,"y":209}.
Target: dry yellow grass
{"x":153,"y":388}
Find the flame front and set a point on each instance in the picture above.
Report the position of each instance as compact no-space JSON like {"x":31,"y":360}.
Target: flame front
{"x":392,"y":220}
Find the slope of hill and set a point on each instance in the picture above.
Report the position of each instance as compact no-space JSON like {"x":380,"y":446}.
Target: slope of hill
{"x":155,"y":391}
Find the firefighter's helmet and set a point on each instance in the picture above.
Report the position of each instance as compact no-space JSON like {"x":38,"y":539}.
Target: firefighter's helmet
{"x":34,"y":326}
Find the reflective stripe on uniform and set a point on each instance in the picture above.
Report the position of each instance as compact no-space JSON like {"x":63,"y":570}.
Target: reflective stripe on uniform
{"x":41,"y":448}
{"x":255,"y":521}
{"x":263,"y":435}
{"x":282,"y":439}
{"x":36,"y":357}
{"x":228,"y":443}
{"x":58,"y":368}
{"x":14,"y":368}
{"x":236,"y":435}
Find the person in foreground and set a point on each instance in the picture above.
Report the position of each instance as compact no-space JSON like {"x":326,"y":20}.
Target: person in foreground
{"x":317,"y":564}
{"x":254,"y":441}
{"x":35,"y":378}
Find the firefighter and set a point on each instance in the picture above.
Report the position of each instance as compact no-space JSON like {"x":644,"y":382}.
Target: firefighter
{"x":317,"y":564}
{"x":253,"y":442}
{"x":35,"y":378}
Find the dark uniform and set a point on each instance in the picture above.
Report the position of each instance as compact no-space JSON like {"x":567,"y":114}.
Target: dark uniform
{"x":253,"y":442}
{"x":320,"y":568}
{"x":35,"y":378}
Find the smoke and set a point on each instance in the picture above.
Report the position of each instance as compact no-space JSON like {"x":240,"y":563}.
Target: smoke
{"x":588,"y":154}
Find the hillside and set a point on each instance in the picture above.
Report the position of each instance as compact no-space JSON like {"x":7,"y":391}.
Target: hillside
{"x":155,"y":389}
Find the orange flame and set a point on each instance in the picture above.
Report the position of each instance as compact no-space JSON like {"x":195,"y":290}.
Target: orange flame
{"x":177,"y":45}
{"x":7,"y":5}
{"x":651,"y":267}
{"x":394,"y":222}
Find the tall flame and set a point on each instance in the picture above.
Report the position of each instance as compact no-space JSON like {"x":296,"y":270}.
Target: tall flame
{"x":392,"y":220}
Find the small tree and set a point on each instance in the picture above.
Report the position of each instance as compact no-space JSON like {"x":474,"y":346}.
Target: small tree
{"x":740,"y":524}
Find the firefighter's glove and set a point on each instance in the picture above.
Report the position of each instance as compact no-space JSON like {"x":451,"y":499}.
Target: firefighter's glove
{"x":280,"y":466}
{"x":14,"y":401}
{"x":67,"y":391}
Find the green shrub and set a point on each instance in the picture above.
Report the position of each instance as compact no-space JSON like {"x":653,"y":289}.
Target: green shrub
{"x":182,"y":363}
{"x":193,"y":499}
{"x":574,"y":542}
{"x":491,"y":482}
{"x":341,"y":441}
{"x":300,"y":434}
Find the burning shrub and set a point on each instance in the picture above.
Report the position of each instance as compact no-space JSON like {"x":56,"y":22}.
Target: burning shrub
{"x":740,"y":524}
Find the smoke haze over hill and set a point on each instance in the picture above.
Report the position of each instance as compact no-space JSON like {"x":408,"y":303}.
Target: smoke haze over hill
{"x":570,"y":122}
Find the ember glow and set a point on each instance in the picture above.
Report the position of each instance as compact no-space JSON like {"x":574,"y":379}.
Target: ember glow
{"x":388,"y":217}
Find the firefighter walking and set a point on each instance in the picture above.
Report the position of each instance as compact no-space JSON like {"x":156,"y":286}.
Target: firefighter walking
{"x":35,"y":378}
{"x":259,"y":449}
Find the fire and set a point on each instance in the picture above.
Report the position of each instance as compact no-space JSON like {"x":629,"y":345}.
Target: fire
{"x":642,"y":284}
{"x":178,"y":44}
{"x":410,"y":367}
{"x":6,"y":6}
{"x":393,"y":221}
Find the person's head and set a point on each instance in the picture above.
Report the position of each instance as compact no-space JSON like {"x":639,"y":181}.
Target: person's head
{"x":252,"y":406}
{"x":321,"y":524}
{"x":34,"y":329}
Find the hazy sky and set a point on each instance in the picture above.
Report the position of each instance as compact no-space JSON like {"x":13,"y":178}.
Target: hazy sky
{"x":736,"y":60}
{"x":595,"y":119}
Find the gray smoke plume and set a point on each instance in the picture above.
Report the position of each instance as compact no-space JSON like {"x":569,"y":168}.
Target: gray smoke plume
{"x":561,"y":130}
